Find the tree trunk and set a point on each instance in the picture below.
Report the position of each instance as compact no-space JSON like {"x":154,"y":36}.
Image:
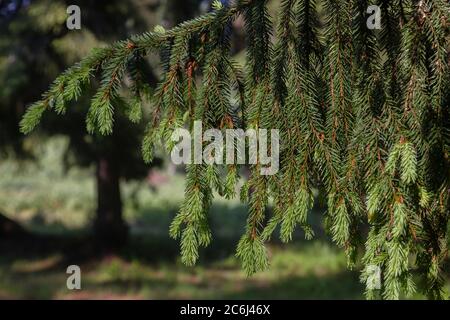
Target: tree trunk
{"x":110,"y":230}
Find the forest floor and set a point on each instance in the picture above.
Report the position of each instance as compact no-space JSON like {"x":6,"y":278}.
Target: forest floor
{"x":58,"y":207}
{"x":149,"y":268}
{"x":315,"y":271}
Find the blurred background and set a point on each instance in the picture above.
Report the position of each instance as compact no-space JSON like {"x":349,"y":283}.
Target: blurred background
{"x":70,"y":198}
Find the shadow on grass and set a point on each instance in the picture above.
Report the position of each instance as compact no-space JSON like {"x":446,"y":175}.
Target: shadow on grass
{"x":150,"y":241}
{"x":343,"y":285}
{"x":116,"y":279}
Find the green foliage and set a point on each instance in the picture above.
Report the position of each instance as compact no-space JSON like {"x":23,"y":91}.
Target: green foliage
{"x":362,"y":116}
{"x":32,"y":117}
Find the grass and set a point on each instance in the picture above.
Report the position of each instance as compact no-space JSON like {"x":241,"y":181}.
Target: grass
{"x":296,"y":272}
{"x":313,"y":270}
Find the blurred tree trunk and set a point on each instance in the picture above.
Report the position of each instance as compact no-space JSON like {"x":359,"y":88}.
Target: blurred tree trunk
{"x":110,"y":230}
